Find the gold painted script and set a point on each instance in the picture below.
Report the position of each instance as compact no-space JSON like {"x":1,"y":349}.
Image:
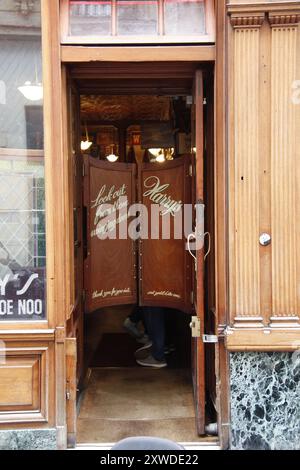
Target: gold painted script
{"x":110,"y":293}
{"x":108,"y":202}
{"x":156,"y":193}
{"x":163,"y":293}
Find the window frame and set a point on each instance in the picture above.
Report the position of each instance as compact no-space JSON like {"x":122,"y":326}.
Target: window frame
{"x":45,"y":324}
{"x":160,"y":38}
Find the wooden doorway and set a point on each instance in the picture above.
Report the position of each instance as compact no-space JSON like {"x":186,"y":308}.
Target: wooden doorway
{"x":184,"y":88}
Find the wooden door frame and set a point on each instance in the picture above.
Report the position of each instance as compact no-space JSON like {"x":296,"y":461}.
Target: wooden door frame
{"x":221,"y":225}
{"x":216,"y":54}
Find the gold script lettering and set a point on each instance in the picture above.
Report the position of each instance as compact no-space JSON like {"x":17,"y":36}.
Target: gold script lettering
{"x":156,"y":193}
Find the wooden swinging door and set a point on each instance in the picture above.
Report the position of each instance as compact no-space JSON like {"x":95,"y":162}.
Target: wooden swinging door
{"x":165,"y":265}
{"x":110,"y":256}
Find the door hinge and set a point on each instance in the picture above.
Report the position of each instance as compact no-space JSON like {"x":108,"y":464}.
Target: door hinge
{"x":195,"y":326}
{"x":210,"y":339}
{"x":83,"y":169}
{"x":68,"y":395}
{"x":191,"y":170}
{"x":192,"y":298}
{"x":83,"y":295}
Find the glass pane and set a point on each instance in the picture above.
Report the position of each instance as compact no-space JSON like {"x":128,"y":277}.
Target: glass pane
{"x":22,"y":183}
{"x":137,"y":17}
{"x":89,"y":18}
{"x":184,"y":17}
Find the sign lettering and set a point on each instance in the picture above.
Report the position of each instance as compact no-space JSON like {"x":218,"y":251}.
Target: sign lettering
{"x":156,"y":193}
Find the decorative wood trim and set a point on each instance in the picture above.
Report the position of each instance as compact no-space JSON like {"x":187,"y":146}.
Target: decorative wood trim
{"x":255,"y":20}
{"x":264,"y":339}
{"x":137,"y":54}
{"x":221,"y":223}
{"x":284,"y":19}
{"x":254,"y":7}
{"x":285,"y":154}
{"x":144,"y":41}
{"x":42,"y":383}
{"x":56,"y":167}
{"x":244,"y":184}
{"x":27,"y":335}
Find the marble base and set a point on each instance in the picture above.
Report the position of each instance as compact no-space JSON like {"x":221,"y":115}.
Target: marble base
{"x":28,"y":439}
{"x":265,"y":401}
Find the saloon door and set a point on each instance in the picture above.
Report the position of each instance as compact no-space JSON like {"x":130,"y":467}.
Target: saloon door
{"x":110,"y":256}
{"x":165,"y":274}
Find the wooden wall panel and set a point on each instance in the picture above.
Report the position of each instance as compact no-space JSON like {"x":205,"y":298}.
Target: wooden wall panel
{"x":16,"y":379}
{"x":244,"y":171}
{"x":263,"y":174}
{"x":285,"y":181}
{"x":26,"y":378}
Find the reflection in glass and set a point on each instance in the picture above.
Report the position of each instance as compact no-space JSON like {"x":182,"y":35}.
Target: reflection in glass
{"x":90,"y":17}
{"x":137,"y":17}
{"x":184,"y":17}
{"x":22,"y":183}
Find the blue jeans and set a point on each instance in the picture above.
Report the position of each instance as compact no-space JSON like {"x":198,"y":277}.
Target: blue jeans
{"x":137,"y":316}
{"x":155,"y":323}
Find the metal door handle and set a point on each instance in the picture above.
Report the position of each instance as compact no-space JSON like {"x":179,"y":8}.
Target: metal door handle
{"x":209,"y":245}
{"x":189,"y":238}
{"x":193,"y":236}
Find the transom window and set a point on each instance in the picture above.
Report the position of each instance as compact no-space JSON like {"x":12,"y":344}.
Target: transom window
{"x":136,"y":21}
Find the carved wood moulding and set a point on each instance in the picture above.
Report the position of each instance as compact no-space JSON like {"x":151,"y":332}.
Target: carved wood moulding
{"x":247,"y":21}
{"x":283,"y":19}
{"x":255,"y":19}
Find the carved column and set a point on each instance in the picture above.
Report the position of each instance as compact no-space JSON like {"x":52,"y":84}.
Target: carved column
{"x":244,"y":160}
{"x":285,"y":174}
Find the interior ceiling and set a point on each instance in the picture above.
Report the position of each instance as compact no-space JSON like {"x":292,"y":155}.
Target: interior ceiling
{"x":95,"y":108}
{"x":142,"y":78}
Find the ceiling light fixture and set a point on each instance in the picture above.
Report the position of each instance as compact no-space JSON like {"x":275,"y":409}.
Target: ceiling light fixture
{"x":32,"y":92}
{"x":112,"y":158}
{"x":161,"y":155}
{"x":86,"y":144}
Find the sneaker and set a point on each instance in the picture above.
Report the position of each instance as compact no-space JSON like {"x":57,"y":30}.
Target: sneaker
{"x":150,"y":361}
{"x":132,"y":329}
{"x":143,"y":339}
{"x":143,"y":352}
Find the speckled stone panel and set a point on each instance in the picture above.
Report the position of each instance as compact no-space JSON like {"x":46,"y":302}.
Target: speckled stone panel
{"x":265,"y":400}
{"x":28,"y":439}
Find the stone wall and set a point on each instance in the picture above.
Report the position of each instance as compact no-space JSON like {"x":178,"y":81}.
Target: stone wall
{"x":265,"y":400}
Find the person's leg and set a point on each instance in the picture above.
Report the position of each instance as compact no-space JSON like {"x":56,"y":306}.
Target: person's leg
{"x":155,"y":322}
{"x":131,"y":325}
{"x":136,"y":315}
